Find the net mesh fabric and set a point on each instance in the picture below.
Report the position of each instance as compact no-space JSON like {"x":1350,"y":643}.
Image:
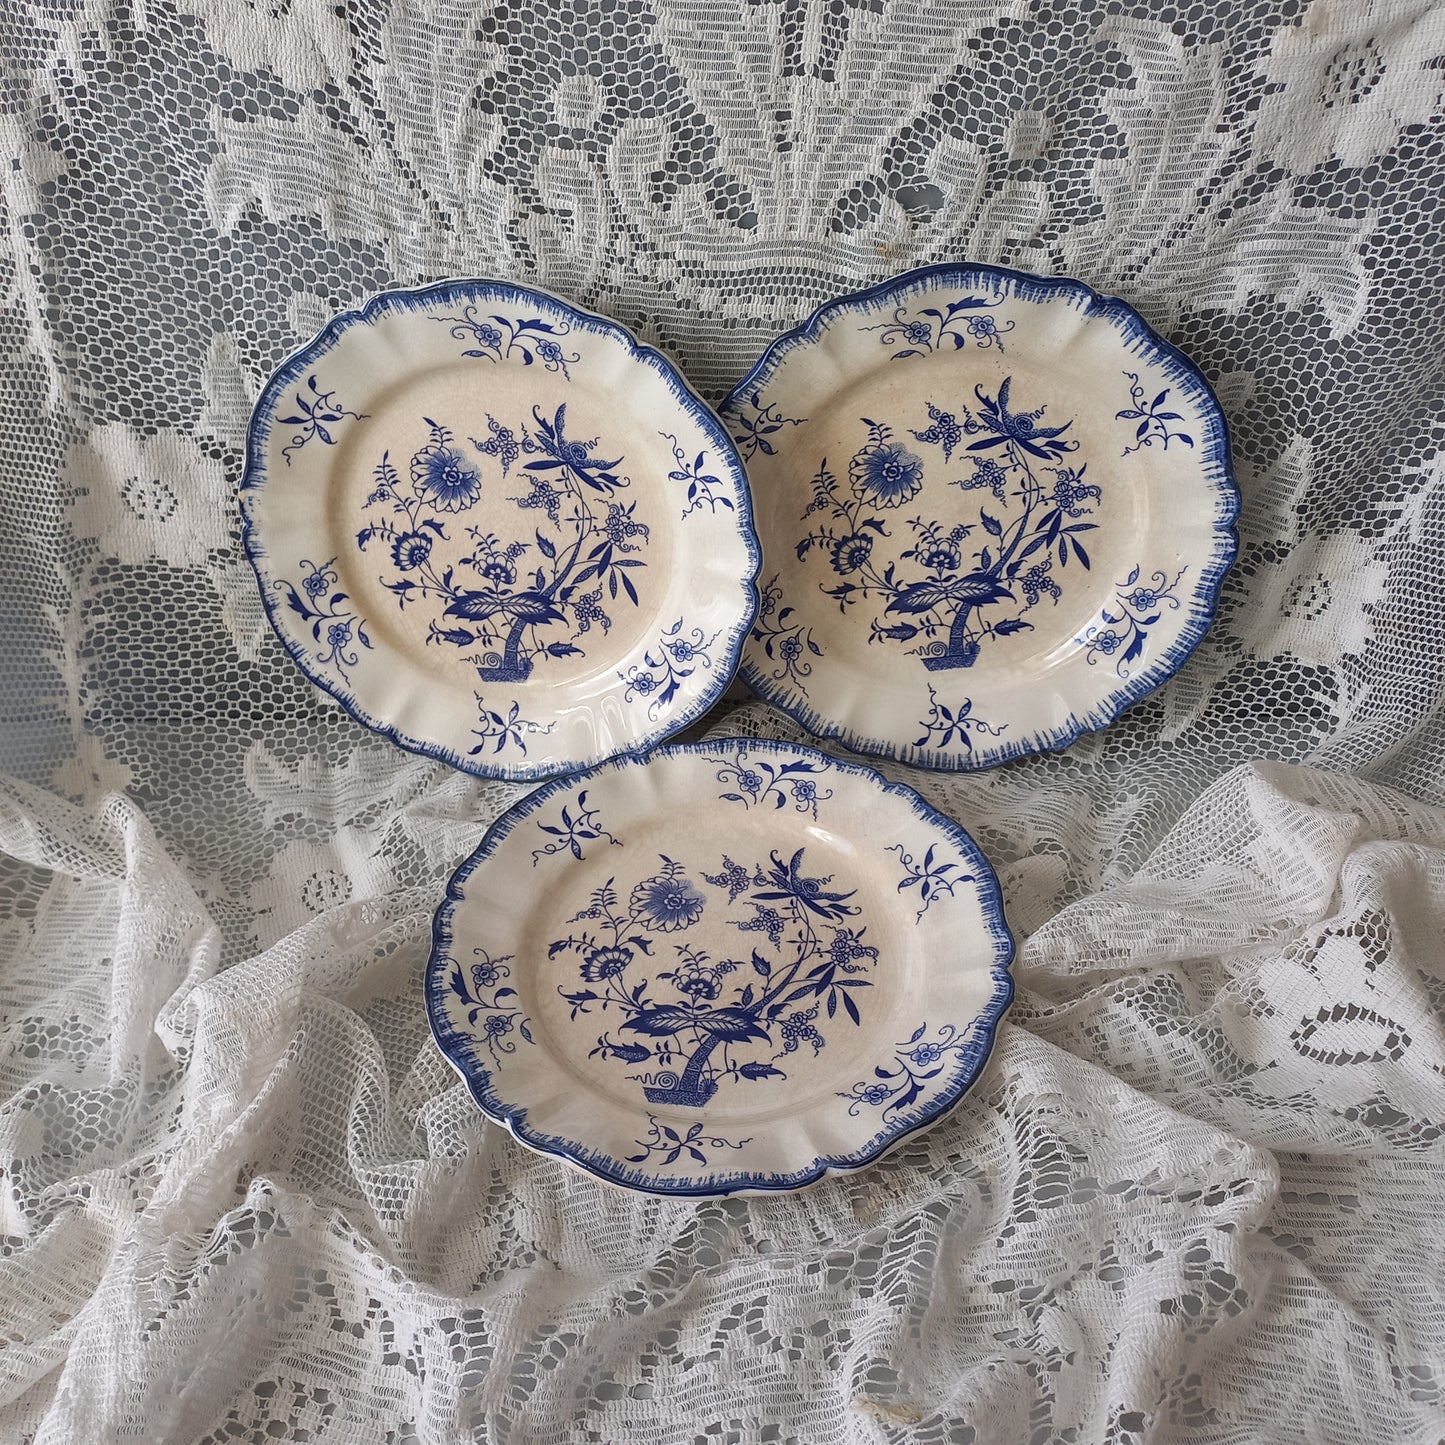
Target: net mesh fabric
{"x":1196,"y":1194}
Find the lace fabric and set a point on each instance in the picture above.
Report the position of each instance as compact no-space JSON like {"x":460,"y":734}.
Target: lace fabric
{"x":1195,"y":1195}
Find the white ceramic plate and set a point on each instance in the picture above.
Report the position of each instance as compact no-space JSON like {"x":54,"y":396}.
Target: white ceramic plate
{"x":733,"y":967}
{"x":499,"y":529}
{"x":995,"y":511}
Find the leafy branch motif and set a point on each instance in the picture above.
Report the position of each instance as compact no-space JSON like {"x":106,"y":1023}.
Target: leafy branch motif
{"x":786,"y":641}
{"x":750,"y":783}
{"x":664,"y":668}
{"x":752,"y":423}
{"x":700,"y":484}
{"x":573,"y":832}
{"x":944,"y":724}
{"x":1125,"y":632}
{"x":701,"y":1020}
{"x":502,"y":612}
{"x":661,"y":1139}
{"x":943,"y":602}
{"x":326,"y":614}
{"x":931,"y":878}
{"x":503,"y":730}
{"x":916,"y":1063}
{"x":496,"y":337}
{"x":316,"y":412}
{"x":931,"y":328}
{"x":488,"y":996}
{"x":1153,"y":423}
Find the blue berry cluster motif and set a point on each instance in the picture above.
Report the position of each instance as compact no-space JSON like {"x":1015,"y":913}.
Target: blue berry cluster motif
{"x":509,"y":603}
{"x":955,"y":586}
{"x":689,"y":1021}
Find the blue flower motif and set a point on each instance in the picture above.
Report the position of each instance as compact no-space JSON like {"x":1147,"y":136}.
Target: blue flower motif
{"x":498,"y":1024}
{"x":667,"y":902}
{"x":852,"y":552}
{"x":489,"y":336}
{"x":888,"y":475}
{"x":315,"y":582}
{"x":918,"y":333}
{"x":410,"y":550}
{"x":1142,"y":598}
{"x":338,"y":634}
{"x":445,"y":479}
{"x":945,"y":431}
{"x":484,"y":975}
{"x":926,"y":1054}
{"x":499,"y":571}
{"x":944,"y":557}
{"x":875,"y":1093}
{"x":1107,"y":641}
{"x":604,"y":963}
{"x":697,"y":982}
{"x":790,"y":649}
{"x":682,"y":651}
{"x":847,"y":948}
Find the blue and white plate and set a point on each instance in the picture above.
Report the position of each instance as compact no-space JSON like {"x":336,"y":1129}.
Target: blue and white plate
{"x":730,"y":967}
{"x":498,"y":529}
{"x":995,"y":511}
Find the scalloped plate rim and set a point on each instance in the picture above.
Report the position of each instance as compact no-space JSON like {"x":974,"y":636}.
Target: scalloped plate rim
{"x":514,"y":1120}
{"x":1119,"y":700}
{"x":254,"y":477}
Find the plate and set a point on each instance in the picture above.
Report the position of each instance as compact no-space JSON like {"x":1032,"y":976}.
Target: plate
{"x":995,"y":511}
{"x":499,"y":529}
{"x":700,"y":973}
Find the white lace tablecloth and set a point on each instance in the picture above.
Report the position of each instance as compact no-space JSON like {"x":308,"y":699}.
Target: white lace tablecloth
{"x":1196,"y":1196}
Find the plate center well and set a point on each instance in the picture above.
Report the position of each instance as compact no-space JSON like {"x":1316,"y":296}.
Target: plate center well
{"x":504,"y":525}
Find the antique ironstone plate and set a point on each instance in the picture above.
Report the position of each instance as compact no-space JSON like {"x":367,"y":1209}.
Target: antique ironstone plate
{"x":729,"y":967}
{"x":995,"y":511}
{"x":499,"y":529}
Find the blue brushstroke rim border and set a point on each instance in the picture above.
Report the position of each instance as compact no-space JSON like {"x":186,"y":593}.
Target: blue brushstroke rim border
{"x":1214,"y":459}
{"x":255,"y":477}
{"x":457,"y":1045}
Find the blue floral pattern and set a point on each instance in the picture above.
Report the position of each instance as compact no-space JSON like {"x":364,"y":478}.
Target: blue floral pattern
{"x":316,"y":412}
{"x":1153,"y":423}
{"x":947,"y":726}
{"x":915,"y":1064}
{"x":663,"y":1140}
{"x":578,"y":825}
{"x":752,"y":424}
{"x":954,"y":325}
{"x":787,"y":642}
{"x":933,"y":877}
{"x":953,"y":588}
{"x":510,"y":602}
{"x":496,"y":337}
{"x":501,"y":730}
{"x":320,"y":603}
{"x":753,"y":780}
{"x":701,"y":485}
{"x":1121,"y":637}
{"x":688,"y":1022}
{"x":488,"y":996}
{"x":678,"y":654}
